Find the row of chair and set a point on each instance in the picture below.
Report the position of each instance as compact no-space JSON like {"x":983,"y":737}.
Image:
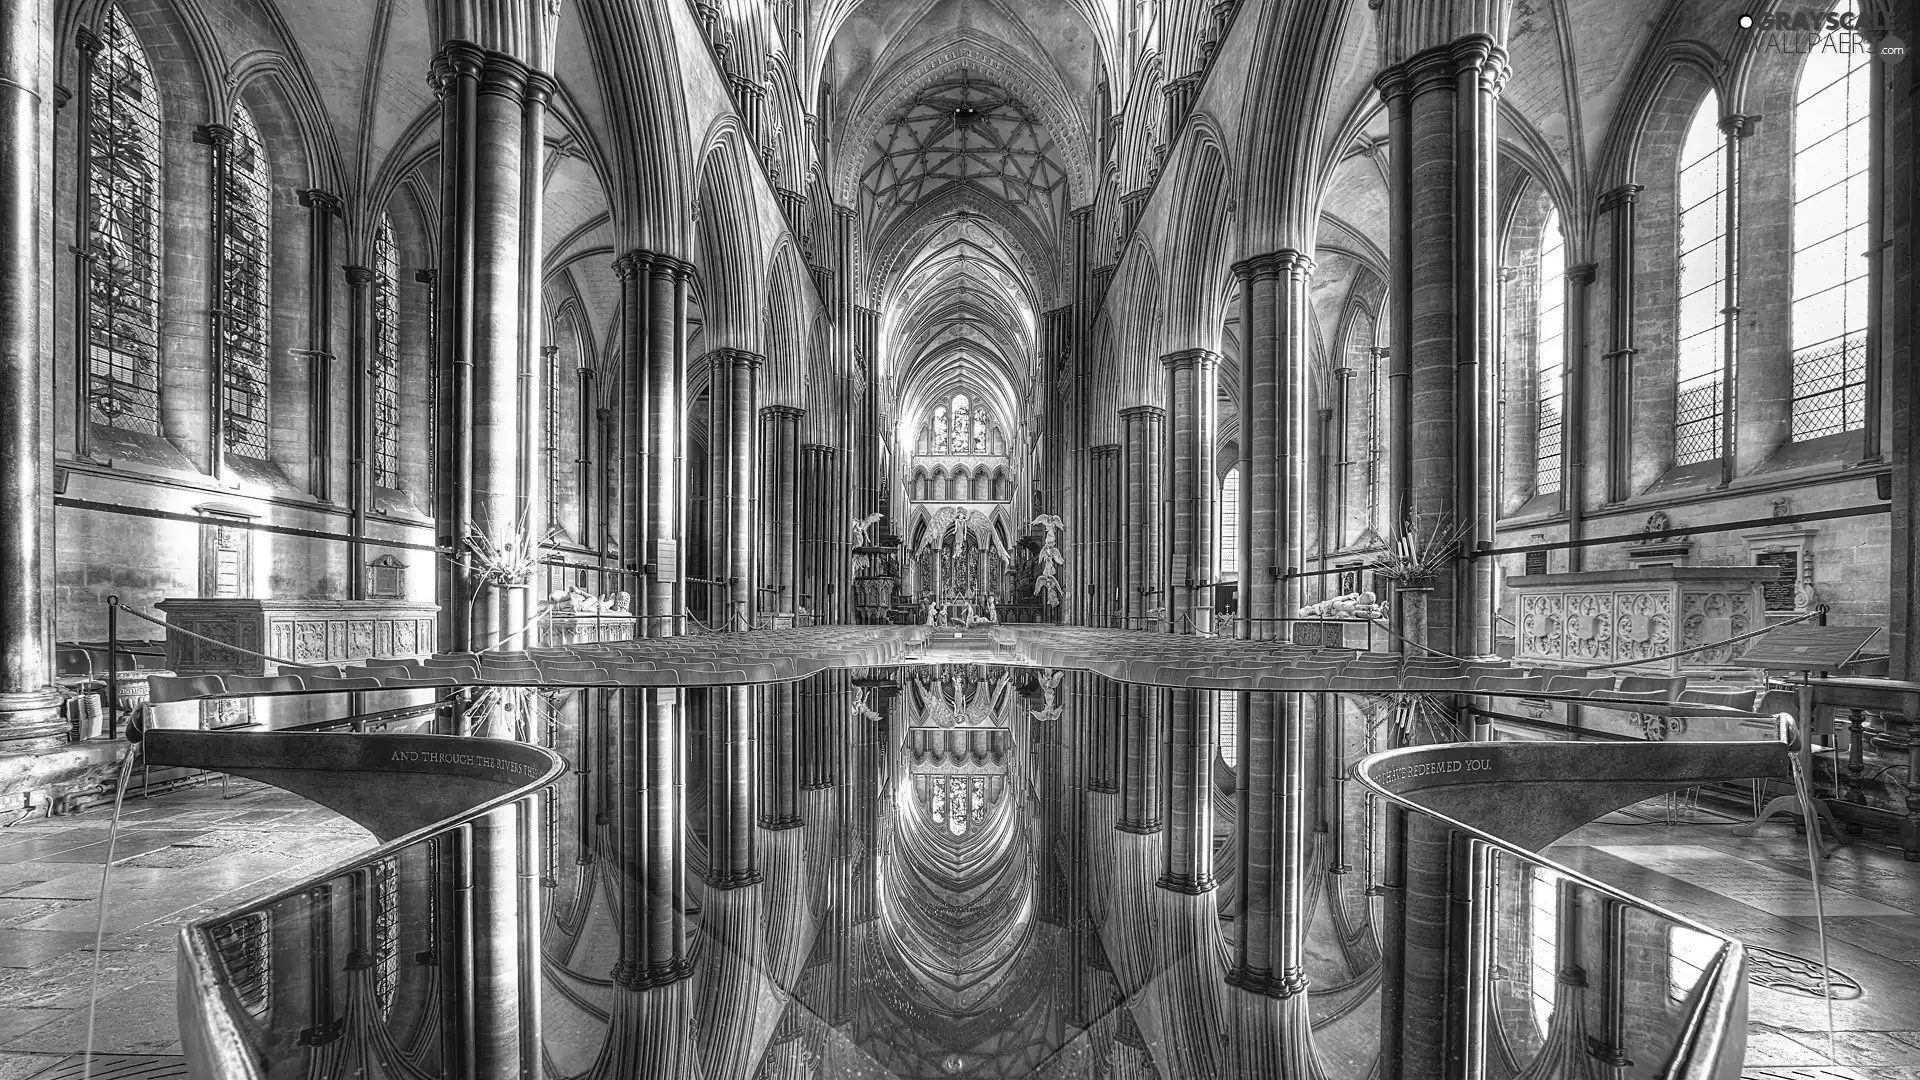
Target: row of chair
{"x":715,"y":659}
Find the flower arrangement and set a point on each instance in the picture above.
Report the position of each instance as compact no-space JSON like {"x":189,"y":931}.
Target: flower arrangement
{"x":1422,"y":548}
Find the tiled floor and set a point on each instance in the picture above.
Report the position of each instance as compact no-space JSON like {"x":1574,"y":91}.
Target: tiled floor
{"x":1759,"y":889}
{"x":179,"y":856}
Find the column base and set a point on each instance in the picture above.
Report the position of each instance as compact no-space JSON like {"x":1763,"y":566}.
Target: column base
{"x":31,"y":722}
{"x":1186,"y":886}
{"x":780,"y":824}
{"x":737,"y":881}
{"x":635,"y":975}
{"x":1104,"y":788}
{"x":1138,"y":828}
{"x":822,"y":786}
{"x":1285,"y":985}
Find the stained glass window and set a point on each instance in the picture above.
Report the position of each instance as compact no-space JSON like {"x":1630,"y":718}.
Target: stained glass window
{"x":123,"y":190}
{"x":962,"y":424}
{"x":385,"y":357}
{"x":245,"y":260}
{"x":1550,"y":353}
{"x":1703,"y":286}
{"x":1830,"y":185}
{"x":940,"y":430}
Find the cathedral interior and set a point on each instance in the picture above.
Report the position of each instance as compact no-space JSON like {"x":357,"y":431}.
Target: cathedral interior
{"x":1138,"y":539}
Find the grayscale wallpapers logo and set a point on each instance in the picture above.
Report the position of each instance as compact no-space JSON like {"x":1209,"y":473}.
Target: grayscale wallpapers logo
{"x":1873,"y":30}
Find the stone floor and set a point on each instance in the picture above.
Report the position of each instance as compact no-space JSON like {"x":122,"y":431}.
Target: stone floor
{"x":179,"y":856}
{"x":190,"y":852}
{"x":1757,"y":887}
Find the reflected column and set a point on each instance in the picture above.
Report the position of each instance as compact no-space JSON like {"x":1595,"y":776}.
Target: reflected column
{"x":1187,"y":865}
{"x":1140,"y":802}
{"x":651,"y":840}
{"x":733,"y":751}
{"x":780,"y":770}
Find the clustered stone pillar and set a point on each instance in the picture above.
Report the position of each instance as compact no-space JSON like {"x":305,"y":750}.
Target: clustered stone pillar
{"x":780,"y":453}
{"x":1273,"y":436}
{"x":823,"y":524}
{"x":1442,"y":119}
{"x":1192,"y":392}
{"x":653,"y":306}
{"x":1140,"y":802}
{"x":1441,"y":108}
{"x":29,"y":710}
{"x":650,"y":797}
{"x":1145,"y":437}
{"x":1619,"y":204}
{"x":732,"y":480}
{"x":1187,"y":864}
{"x":733,"y":756}
{"x":484,"y":100}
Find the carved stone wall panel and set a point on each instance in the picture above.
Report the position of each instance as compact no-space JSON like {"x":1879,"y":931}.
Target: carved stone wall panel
{"x":1643,"y":625}
{"x":1715,"y":616}
{"x":1543,"y":620}
{"x":304,"y":631}
{"x":1589,"y":627}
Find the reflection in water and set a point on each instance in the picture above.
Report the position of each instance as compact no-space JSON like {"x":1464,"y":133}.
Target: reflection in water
{"x":953,"y":870}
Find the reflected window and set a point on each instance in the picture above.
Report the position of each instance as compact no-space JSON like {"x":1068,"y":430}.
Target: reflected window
{"x":123,"y":194}
{"x":1688,"y":953}
{"x":1229,"y":713}
{"x":1830,"y":184}
{"x":1544,"y":918}
{"x":245,"y":948}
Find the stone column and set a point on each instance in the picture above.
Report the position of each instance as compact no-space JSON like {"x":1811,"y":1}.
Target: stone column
{"x":781,"y":475}
{"x":1192,"y":394}
{"x":732,"y":480}
{"x":1187,"y":849}
{"x":480,"y":295}
{"x":1273,"y":435}
{"x":1144,"y":441}
{"x":29,"y":711}
{"x":494,"y":940}
{"x":1441,"y":105}
{"x":1618,"y":205}
{"x":780,"y":758}
{"x":360,"y":422}
{"x":733,"y":756}
{"x":1140,"y":802}
{"x":666,"y":381}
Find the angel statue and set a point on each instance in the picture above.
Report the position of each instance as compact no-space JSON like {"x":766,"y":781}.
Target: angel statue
{"x":1047,"y":583}
{"x":860,"y":706}
{"x":1049,"y":709}
{"x":861,"y":527}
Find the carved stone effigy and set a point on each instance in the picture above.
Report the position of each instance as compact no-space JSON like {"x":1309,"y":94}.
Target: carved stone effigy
{"x":304,"y":631}
{"x":1631,"y":616}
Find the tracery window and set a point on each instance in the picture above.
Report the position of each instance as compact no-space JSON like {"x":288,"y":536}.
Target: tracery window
{"x":385,"y":375}
{"x":1550,"y":354}
{"x":1830,"y":185}
{"x":123,"y":192}
{"x":962,"y":424}
{"x":246,"y":224}
{"x":1703,"y":287}
{"x":940,"y":430}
